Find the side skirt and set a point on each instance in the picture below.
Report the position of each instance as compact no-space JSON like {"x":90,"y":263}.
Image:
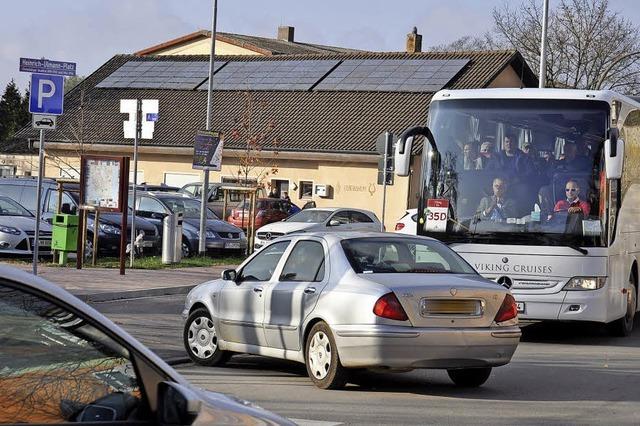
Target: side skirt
{"x":261,"y":350}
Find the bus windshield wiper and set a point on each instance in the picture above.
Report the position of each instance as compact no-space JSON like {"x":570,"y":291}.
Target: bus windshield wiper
{"x":579,"y":249}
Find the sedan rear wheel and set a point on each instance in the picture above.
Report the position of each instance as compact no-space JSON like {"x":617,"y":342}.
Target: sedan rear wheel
{"x":322,"y":360}
{"x":201,"y":339}
{"x":469,"y":377}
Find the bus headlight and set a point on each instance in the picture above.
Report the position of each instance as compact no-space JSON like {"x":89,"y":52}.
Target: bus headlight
{"x":585,"y":283}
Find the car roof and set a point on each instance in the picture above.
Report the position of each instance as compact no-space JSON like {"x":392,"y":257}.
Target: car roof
{"x":165,"y":194}
{"x":335,"y":237}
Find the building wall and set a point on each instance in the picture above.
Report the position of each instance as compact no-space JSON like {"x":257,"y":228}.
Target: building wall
{"x":203,"y":47}
{"x":353,"y":184}
{"x":507,"y":78}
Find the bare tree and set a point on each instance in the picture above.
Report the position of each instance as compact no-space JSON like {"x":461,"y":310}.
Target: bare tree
{"x":76,"y":131}
{"x":590,"y":46}
{"x":255,"y":132}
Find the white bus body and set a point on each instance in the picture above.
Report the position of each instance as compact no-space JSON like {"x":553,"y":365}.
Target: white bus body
{"x":559,"y":265}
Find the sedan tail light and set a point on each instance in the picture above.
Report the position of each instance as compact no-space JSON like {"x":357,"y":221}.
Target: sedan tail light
{"x":388,"y":306}
{"x":508,"y":310}
{"x":399,"y":226}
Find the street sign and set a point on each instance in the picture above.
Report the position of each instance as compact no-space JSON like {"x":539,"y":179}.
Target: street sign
{"x":149,"y":112}
{"x":381,"y":178}
{"x":380,"y":142}
{"x":45,"y":122}
{"x":45,"y":66}
{"x":207,"y":151}
{"x":47,"y":94}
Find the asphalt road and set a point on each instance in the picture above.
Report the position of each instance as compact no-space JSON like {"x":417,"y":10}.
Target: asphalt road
{"x":559,"y":375}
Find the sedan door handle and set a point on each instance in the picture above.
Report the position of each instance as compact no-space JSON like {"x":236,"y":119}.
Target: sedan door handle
{"x":310,"y":290}
{"x":257,"y":289}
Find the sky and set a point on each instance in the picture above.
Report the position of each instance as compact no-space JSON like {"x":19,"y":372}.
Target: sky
{"x":89,"y":32}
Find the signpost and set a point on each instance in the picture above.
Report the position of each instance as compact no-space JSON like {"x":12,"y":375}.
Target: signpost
{"x":207,"y":151}
{"x":47,"y":101}
{"x":136,"y":128}
{"x":384,"y":146}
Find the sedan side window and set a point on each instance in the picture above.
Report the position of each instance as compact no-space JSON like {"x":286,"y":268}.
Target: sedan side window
{"x":263,"y":265}
{"x":56,"y":367}
{"x":305,"y":263}
{"x":150,"y":205}
{"x":342,"y":217}
{"x":358,"y":217}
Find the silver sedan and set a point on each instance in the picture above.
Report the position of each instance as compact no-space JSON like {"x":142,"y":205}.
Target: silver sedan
{"x":337,"y":302}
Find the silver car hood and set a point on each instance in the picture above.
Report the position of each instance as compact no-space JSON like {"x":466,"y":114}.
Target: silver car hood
{"x":24,"y":223}
{"x":288,"y":227}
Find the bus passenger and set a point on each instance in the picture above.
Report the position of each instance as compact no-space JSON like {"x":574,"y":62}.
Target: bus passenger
{"x":471,"y":159}
{"x":513,"y":160}
{"x":497,"y":207}
{"x":488,"y":159}
{"x":573,"y":204}
{"x":570,"y":161}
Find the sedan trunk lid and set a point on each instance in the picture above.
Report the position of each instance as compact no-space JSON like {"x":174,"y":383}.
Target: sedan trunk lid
{"x":445,"y":300}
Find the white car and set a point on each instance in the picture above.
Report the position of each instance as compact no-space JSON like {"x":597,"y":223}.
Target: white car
{"x":319,"y":219}
{"x":407,"y":224}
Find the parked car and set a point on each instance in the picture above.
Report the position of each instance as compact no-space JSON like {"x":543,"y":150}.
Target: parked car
{"x":18,"y":229}
{"x":215,"y":200}
{"x":407,"y":224}
{"x":222,"y":236}
{"x":319,"y":219}
{"x":63,"y":361}
{"x":162,"y":187}
{"x":345,"y":301}
{"x":268,"y":210}
{"x":24,"y":189}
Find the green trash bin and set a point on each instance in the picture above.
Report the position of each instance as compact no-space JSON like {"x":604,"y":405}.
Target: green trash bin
{"x":65,"y":235}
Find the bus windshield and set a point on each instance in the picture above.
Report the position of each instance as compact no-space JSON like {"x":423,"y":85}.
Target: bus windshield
{"x":516,"y":171}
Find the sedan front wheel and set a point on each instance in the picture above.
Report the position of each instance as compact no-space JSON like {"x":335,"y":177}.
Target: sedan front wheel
{"x":201,"y":339}
{"x":322,"y":360}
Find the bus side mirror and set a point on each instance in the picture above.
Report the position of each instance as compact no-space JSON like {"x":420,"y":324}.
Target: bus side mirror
{"x":402,"y":159}
{"x":614,"y":155}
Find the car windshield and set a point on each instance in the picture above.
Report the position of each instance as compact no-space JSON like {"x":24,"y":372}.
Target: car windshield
{"x":403,"y":255}
{"x":8,"y":207}
{"x":189,"y":207}
{"x":310,"y":216}
{"x":516,"y":171}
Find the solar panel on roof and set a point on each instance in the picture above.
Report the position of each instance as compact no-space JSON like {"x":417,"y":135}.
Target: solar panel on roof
{"x":181,"y":75}
{"x":387,"y":75}
{"x":270,"y":75}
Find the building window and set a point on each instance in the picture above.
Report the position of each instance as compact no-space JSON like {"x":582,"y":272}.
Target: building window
{"x":7,"y":171}
{"x":306,"y":189}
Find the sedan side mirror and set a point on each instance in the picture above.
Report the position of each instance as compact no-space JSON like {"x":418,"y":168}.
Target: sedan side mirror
{"x":156,"y":215}
{"x":177,"y":405}
{"x":229,"y":275}
{"x":333,"y":222}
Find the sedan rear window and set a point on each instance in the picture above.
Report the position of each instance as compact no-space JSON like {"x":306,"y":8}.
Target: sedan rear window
{"x":403,"y":255}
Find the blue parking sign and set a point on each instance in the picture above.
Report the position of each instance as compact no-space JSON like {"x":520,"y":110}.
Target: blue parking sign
{"x":47,"y":94}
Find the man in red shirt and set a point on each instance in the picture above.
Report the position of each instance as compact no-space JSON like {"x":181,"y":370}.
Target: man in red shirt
{"x":573,"y":204}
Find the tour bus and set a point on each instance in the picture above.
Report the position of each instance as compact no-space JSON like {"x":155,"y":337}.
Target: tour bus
{"x":539,"y":190}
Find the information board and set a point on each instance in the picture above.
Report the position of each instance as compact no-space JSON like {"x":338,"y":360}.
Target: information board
{"x":103,"y":182}
{"x":207,"y":151}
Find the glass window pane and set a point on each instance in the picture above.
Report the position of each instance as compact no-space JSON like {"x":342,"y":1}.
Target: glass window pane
{"x":305,"y":263}
{"x":262,"y":267}
{"x":70,"y":363}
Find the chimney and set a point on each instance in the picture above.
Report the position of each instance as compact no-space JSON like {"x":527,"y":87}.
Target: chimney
{"x":285,"y":33}
{"x":414,"y":41}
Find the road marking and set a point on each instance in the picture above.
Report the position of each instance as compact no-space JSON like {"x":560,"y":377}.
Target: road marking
{"x":303,"y":422}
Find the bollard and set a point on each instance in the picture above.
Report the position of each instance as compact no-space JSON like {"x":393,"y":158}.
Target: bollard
{"x":168,"y":239}
{"x":177,"y":238}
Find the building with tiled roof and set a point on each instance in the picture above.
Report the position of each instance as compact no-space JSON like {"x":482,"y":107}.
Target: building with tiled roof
{"x":199,"y":43}
{"x":324,"y":110}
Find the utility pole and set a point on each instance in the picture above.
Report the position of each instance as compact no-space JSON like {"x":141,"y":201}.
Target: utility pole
{"x":135,"y":178}
{"x":543,"y":46}
{"x":36,"y":239}
{"x":202,"y":243}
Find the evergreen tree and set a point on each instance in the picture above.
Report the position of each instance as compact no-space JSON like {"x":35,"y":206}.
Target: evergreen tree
{"x":12,"y":113}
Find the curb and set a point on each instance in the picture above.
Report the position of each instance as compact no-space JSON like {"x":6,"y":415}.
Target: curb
{"x":133,"y":294}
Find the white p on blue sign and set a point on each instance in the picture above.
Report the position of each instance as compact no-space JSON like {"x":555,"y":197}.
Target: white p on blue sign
{"x":47,"y":94}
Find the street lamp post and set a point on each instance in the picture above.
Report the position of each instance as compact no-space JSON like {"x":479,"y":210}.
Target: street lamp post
{"x":202,"y":247}
{"x":543,"y":46}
